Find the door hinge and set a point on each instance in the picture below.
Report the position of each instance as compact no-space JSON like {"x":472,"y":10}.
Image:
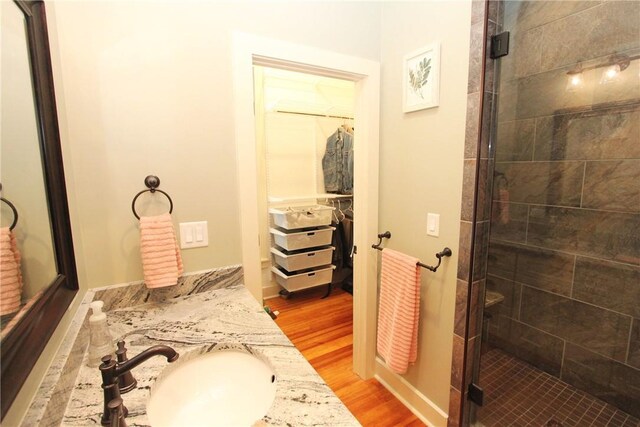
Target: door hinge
{"x":476,"y":394}
{"x":499,"y":45}
{"x":354,"y":251}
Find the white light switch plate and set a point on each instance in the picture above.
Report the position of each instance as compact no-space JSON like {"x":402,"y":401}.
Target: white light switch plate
{"x":433,"y":224}
{"x":194,"y":234}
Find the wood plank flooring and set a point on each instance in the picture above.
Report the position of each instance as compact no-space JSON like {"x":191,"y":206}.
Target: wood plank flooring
{"x":322,"y":330}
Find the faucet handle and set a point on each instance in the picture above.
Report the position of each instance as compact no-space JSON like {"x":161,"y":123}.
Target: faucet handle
{"x":106,"y":360}
{"x":112,"y":399}
{"x":126,"y":380}
{"x":117,"y":414}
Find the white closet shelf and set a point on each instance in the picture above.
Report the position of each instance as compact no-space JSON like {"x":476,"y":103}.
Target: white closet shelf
{"x":284,"y":199}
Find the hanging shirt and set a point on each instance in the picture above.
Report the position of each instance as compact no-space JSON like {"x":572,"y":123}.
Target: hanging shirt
{"x":337,"y":163}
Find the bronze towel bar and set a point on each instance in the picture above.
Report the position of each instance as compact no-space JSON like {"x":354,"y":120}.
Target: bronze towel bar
{"x":445,"y":252}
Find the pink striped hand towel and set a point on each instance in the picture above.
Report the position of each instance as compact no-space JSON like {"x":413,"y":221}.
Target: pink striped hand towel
{"x":161,"y":260}
{"x":399,"y":310}
{"x":10,"y":273}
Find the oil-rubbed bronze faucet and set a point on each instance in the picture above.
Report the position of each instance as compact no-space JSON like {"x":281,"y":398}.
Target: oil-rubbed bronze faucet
{"x":126,"y":381}
{"x":117,"y":414}
{"x":110,"y":373}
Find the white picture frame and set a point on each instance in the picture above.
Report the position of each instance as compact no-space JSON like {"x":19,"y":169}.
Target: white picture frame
{"x":421,"y":79}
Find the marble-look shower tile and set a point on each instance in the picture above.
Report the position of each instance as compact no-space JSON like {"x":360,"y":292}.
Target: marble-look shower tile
{"x":453,"y":420}
{"x":457,"y":362}
{"x":484,"y":191}
{"x":476,"y":303}
{"x":478,"y":10}
{"x":511,"y":291}
{"x":608,"y":235}
{"x":613,"y":133}
{"x":475,"y":57}
{"x":509,"y":221}
{"x":489,"y":124}
{"x":495,"y":11}
{"x":468,"y":189}
{"x":524,"y":54}
{"x":472,"y":361}
{"x":607,"y":284}
{"x":529,"y":14}
{"x":545,"y":94}
{"x":476,"y":71}
{"x":612,"y":185}
{"x":515,"y":140}
{"x":464,"y":250}
{"x":604,"y":378}
{"x":612,"y":27}
{"x":633,"y":359}
{"x":490,"y":66}
{"x":481,"y":249}
{"x":472,"y":124}
{"x":507,"y":100}
{"x":545,"y":183}
{"x":460,"y":315}
{"x":540,"y":268}
{"x":529,"y":344}
{"x":599,"y":330}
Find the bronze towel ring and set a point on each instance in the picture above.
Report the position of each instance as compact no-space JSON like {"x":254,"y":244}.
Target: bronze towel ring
{"x":15,"y":213}
{"x":152,"y":182}
{"x":13,"y":209}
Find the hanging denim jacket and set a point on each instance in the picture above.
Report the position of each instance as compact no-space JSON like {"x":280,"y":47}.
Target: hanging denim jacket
{"x":337,"y":163}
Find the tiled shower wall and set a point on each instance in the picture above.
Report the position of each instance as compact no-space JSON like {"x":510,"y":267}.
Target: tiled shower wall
{"x":474,"y":224}
{"x":565,"y":225}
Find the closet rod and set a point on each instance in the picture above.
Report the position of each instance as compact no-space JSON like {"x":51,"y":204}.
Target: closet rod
{"x":316,"y":115}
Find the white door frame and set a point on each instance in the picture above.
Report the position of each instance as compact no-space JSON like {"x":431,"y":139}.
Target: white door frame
{"x":249,"y":50}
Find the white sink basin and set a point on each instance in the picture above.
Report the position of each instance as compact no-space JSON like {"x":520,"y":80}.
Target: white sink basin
{"x":221,"y":388}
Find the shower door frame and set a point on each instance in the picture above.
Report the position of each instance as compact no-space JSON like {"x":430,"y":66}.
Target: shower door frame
{"x":250,"y":50}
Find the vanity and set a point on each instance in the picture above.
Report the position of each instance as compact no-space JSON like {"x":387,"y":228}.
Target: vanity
{"x":204,"y":313}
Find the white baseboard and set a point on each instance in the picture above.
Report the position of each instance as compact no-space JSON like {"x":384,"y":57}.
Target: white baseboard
{"x":270,"y":291}
{"x":272,"y":288}
{"x":423,"y":408}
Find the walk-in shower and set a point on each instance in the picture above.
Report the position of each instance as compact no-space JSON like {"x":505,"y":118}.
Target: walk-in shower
{"x":560,"y":321}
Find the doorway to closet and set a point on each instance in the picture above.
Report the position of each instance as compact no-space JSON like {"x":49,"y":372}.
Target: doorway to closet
{"x":249,"y":51}
{"x":304,"y":140}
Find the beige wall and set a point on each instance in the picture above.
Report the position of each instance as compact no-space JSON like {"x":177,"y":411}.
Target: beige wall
{"x":148,"y":90}
{"x":421,"y":170}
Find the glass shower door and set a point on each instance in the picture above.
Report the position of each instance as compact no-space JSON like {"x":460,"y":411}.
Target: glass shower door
{"x":561,"y":320}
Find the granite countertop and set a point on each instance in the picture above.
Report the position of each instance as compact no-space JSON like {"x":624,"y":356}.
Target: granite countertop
{"x":208,"y":321}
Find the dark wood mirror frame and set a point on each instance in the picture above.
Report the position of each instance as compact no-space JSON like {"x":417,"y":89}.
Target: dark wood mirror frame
{"x":24,"y":343}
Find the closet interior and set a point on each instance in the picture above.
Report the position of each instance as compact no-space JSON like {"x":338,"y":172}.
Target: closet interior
{"x":304,"y":132}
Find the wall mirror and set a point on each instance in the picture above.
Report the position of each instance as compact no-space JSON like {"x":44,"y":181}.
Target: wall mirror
{"x":38,"y":278}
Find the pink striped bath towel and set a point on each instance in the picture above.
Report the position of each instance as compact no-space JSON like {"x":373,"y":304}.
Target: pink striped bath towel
{"x":399,"y":309}
{"x":161,"y":260}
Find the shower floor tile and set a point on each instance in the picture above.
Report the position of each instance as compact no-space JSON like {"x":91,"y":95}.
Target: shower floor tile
{"x":517,"y":394}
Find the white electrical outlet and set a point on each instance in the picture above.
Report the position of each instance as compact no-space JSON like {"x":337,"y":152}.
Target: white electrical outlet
{"x":433,"y":224}
{"x":194,"y":234}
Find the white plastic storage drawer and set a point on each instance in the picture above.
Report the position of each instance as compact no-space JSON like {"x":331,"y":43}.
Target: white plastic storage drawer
{"x":303,"y":280}
{"x":299,"y":260}
{"x":302,"y":239}
{"x":302,"y":216}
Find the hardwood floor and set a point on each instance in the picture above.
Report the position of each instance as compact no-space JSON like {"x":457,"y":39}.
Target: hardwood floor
{"x":322,"y":330}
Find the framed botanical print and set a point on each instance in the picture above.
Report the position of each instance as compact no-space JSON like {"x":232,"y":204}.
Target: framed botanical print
{"x":421,"y":79}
